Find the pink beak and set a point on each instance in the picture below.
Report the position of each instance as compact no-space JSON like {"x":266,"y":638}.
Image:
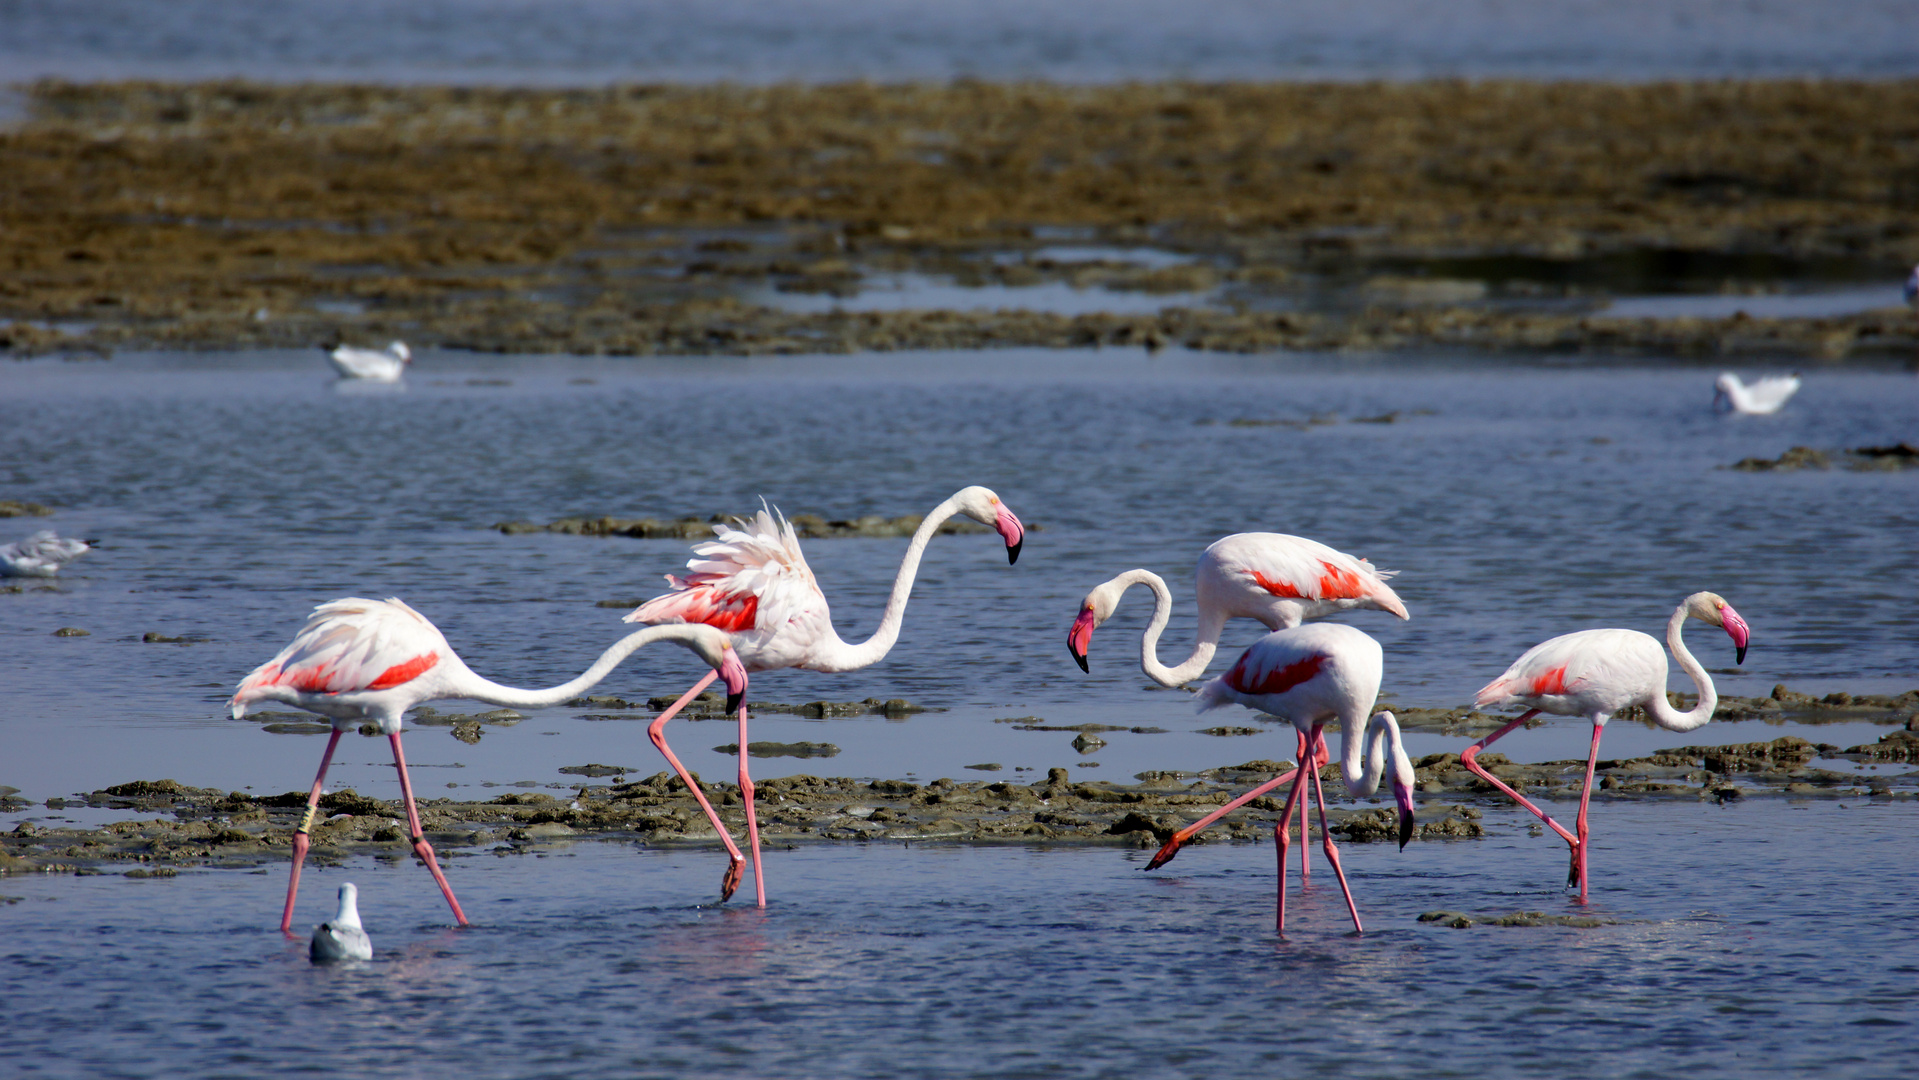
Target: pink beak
{"x":1080,"y":637}
{"x":733,"y":673}
{"x":1737,"y":630}
{"x":1009,"y":527}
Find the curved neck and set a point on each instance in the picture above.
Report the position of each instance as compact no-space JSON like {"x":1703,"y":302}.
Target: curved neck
{"x":1659,"y":708}
{"x":1202,"y":654}
{"x":1381,"y":734}
{"x":470,"y":685}
{"x":836,"y":655}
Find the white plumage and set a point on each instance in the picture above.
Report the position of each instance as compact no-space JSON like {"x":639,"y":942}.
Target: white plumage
{"x":1759,"y":398}
{"x":41,"y":555}
{"x":374,"y":365}
{"x":341,"y":937}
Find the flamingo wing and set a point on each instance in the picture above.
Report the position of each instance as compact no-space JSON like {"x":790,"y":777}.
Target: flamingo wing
{"x":749,"y":578}
{"x":1278,"y":566}
{"x":1574,"y":673}
{"x":349,"y":645}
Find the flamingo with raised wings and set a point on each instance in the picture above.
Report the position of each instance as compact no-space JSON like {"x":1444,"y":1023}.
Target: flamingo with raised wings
{"x":753,"y":583}
{"x":1596,"y":673}
{"x":1310,"y":676}
{"x":357,"y":660}
{"x":1278,"y":579}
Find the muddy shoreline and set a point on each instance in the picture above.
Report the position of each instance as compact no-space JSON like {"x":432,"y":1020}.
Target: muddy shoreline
{"x":181,"y":826}
{"x":661,"y":219}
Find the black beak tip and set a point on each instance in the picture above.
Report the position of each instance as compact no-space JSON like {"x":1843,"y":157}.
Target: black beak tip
{"x":1740,"y":657}
{"x":733,"y":702}
{"x":1080,"y":658}
{"x":1405,"y":830}
{"x":1012,"y":550}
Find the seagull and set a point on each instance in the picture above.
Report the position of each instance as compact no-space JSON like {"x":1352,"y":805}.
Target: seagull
{"x":1759,"y":399}
{"x":342,"y":937}
{"x":372,"y":364}
{"x":41,"y":555}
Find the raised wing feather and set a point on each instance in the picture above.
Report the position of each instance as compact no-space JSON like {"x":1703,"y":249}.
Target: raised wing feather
{"x":351,"y":644}
{"x":749,"y":578}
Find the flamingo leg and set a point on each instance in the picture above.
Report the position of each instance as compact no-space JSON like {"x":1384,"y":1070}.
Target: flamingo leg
{"x":1293,"y":798}
{"x":1467,"y":755}
{"x":1185,"y":836}
{"x":657,"y":732}
{"x":752,"y":820}
{"x":1308,"y":745}
{"x":1332,"y":853}
{"x":420,"y":847}
{"x":300,"y":839}
{"x":1578,"y":871}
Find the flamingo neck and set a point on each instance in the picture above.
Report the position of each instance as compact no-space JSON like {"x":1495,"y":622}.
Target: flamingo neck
{"x":1381,"y":735}
{"x":465,"y":683}
{"x":1188,"y":669}
{"x":834,"y":654}
{"x":1659,"y":708}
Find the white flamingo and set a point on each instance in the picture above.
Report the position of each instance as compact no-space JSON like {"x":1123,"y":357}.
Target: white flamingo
{"x":1309,"y":676}
{"x":1277,"y":579}
{"x":41,"y":555}
{"x":373,"y":365}
{"x":341,"y":937}
{"x":753,"y":583}
{"x":357,"y":660}
{"x":1596,"y":673}
{"x":1760,"y":398}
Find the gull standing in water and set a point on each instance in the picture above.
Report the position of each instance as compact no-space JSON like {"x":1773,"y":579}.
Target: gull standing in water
{"x":41,"y":555}
{"x":341,"y":937}
{"x":373,"y":365}
{"x":1759,"y":398}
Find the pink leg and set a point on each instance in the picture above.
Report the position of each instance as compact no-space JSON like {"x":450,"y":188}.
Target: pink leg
{"x":1332,"y":853}
{"x":420,"y":847}
{"x":1585,"y":796}
{"x":1183,"y":836}
{"x":657,"y":732}
{"x":752,"y":820}
{"x":1466,"y":757}
{"x":300,"y":840}
{"x":1293,"y":799}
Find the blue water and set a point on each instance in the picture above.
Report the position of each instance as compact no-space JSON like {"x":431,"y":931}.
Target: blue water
{"x":1759,"y":939}
{"x":588,"y":42}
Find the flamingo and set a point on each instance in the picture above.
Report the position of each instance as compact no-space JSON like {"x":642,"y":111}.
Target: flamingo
{"x":358,"y":660}
{"x":1310,"y":675}
{"x":41,"y":555}
{"x":341,"y":937}
{"x":1278,"y":579}
{"x":1761,"y":398}
{"x":753,"y":583}
{"x":1596,"y":673}
{"x":373,"y":365}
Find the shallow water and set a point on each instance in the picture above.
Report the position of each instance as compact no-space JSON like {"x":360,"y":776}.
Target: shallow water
{"x":1733,"y":952}
{"x":233,"y":492}
{"x":586,"y":42}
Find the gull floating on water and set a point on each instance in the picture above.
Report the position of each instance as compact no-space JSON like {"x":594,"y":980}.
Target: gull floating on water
{"x":342,"y":937}
{"x":376,"y":365}
{"x":41,"y":555}
{"x":1760,"y":398}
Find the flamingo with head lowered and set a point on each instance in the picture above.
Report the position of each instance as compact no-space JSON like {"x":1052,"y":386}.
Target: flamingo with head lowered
{"x":1310,"y":676}
{"x":1594,"y":674}
{"x":1278,"y":579}
{"x":357,"y":660}
{"x":753,"y":583}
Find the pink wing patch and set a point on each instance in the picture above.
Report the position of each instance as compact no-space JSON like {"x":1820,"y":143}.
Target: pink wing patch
{"x":1277,"y":681}
{"x":1284,"y":589}
{"x":1334,"y":584}
{"x":698,"y":599}
{"x":1550,"y":682}
{"x":404,"y":673}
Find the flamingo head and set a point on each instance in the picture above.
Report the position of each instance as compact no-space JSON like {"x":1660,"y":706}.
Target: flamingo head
{"x":1403,"y":779}
{"x":1722,"y":390}
{"x":983,"y":506}
{"x":400,"y":350}
{"x":1712,"y":608}
{"x":1095,"y":609}
{"x":713,"y":646}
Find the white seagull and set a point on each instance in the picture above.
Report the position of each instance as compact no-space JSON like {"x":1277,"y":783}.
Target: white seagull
{"x":371,"y":364}
{"x":341,"y":937}
{"x":41,"y":555}
{"x":1759,"y":399}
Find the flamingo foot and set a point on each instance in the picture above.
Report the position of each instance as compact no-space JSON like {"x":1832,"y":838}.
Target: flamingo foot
{"x":1572,"y":872}
{"x":735,"y":870}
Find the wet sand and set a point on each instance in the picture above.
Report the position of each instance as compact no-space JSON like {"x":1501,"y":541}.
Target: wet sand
{"x":633,"y":219}
{"x":209,"y":827}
